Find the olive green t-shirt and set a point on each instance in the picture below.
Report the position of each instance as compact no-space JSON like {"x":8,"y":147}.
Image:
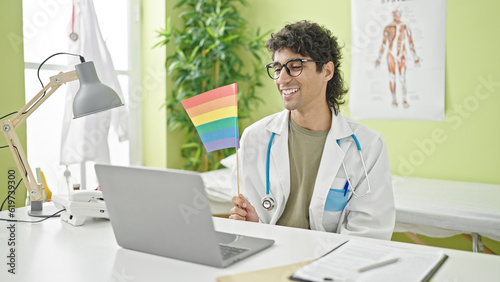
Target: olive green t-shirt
{"x":305,"y":148}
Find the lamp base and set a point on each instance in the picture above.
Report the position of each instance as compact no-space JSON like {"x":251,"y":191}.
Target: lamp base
{"x":38,"y":210}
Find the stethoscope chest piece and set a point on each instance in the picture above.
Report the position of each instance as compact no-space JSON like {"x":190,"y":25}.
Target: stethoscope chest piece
{"x":73,"y":36}
{"x":268,"y":202}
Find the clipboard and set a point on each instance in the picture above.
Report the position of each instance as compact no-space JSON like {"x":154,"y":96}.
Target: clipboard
{"x":359,"y":260}
{"x":285,"y":273}
{"x":435,"y":269}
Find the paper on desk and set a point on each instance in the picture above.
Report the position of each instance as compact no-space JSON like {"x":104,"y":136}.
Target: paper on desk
{"x":342,"y":263}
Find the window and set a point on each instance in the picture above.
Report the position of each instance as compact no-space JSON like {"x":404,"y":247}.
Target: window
{"x":46,"y":28}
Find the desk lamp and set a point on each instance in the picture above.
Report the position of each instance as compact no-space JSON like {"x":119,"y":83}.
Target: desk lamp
{"x":92,"y":97}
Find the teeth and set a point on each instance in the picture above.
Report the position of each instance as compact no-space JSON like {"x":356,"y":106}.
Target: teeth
{"x":289,"y":91}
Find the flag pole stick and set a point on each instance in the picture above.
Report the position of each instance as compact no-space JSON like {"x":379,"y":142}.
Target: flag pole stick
{"x":238,"y":172}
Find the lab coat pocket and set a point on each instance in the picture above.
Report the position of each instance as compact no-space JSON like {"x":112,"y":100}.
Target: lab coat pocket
{"x":336,"y":200}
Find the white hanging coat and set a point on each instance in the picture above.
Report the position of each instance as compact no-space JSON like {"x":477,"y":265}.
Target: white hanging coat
{"x":372,"y":215}
{"x":86,"y":138}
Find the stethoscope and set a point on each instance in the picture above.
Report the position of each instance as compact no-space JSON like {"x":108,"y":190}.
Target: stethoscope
{"x":268,"y":202}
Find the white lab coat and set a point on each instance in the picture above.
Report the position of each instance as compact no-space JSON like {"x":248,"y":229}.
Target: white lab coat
{"x":372,"y":215}
{"x":86,"y":138}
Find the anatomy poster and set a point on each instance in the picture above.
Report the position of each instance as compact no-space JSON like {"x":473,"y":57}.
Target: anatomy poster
{"x":398,"y":59}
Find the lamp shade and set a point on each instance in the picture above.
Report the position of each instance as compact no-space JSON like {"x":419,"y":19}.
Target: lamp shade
{"x":93,"y":96}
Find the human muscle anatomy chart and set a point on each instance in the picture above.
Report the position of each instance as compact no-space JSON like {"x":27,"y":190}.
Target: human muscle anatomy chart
{"x":397,"y":40}
{"x":397,"y":57}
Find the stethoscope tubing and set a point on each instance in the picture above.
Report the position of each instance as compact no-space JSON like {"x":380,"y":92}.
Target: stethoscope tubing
{"x":267,"y":161}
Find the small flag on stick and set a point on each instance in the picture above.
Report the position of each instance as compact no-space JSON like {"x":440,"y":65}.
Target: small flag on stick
{"x":215,"y":116}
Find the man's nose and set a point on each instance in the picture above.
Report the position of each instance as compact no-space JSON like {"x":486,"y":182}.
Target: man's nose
{"x":284,"y":76}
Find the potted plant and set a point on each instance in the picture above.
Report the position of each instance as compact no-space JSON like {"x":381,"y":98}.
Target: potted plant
{"x":214,"y":48}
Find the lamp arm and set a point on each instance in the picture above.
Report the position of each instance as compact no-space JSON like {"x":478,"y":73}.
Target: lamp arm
{"x":55,"y":82}
{"x":9,"y":130}
{"x":35,"y":189}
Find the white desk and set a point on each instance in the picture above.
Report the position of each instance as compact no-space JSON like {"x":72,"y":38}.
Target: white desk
{"x":56,"y":251}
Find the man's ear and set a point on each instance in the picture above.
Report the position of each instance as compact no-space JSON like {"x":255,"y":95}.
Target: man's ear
{"x":328,"y":70}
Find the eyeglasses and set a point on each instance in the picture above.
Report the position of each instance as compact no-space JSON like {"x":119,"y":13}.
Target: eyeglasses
{"x":293,"y":68}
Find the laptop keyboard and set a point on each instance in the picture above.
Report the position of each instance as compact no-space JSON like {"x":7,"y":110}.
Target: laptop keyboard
{"x":230,"y":251}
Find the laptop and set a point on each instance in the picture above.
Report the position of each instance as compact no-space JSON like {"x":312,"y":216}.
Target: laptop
{"x":166,"y":212}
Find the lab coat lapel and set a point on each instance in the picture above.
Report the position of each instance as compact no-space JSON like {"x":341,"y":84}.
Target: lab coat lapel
{"x":279,"y":163}
{"x":331,"y":161}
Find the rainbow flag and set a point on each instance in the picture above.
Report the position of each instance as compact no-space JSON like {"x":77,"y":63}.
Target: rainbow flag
{"x":215,"y":116}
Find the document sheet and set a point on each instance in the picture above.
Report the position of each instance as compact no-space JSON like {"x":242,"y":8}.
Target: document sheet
{"x":377,"y":262}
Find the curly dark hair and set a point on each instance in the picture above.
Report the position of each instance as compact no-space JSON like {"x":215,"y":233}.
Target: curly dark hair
{"x":312,"y":40}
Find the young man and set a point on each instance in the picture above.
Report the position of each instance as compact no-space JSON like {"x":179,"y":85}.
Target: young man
{"x":302,"y":167}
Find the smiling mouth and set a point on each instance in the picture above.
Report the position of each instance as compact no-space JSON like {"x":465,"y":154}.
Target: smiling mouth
{"x":288,"y":92}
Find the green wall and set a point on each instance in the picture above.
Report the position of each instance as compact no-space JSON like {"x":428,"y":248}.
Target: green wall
{"x":161,"y":148}
{"x":12,"y":81}
{"x":153,"y":75}
{"x":174,"y":138}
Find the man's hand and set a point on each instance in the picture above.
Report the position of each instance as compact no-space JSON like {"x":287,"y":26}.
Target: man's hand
{"x":377,"y":63}
{"x":243,"y":210}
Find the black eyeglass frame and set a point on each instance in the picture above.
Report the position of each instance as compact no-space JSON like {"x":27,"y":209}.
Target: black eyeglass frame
{"x":270,"y":66}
